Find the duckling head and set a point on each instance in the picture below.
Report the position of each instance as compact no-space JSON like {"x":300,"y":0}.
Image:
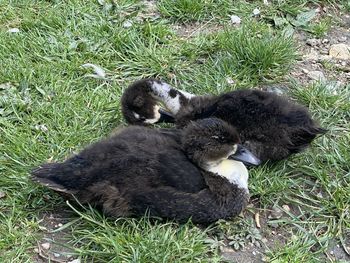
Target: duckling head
{"x":141,"y":100}
{"x":214,"y":146}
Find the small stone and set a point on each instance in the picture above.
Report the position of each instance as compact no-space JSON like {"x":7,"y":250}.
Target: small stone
{"x":13,"y":30}
{"x":56,"y":255}
{"x":46,"y":245}
{"x":59,"y":225}
{"x":343,"y":39}
{"x":265,"y":259}
{"x":235,"y":19}
{"x":331,"y":252}
{"x":127,"y":24}
{"x":41,"y":127}
{"x":324,"y":57}
{"x":343,"y":63}
{"x":36,"y":250}
{"x":276,"y":213}
{"x":264,"y":240}
{"x":225,"y":249}
{"x":313,"y":42}
{"x":275,"y":90}
{"x":256,"y":12}
{"x":316,"y":75}
{"x":2,"y":194}
{"x":254,"y":253}
{"x":74,"y":261}
{"x":286,"y":208}
{"x":312,"y":55}
{"x":304,"y":70}
{"x":340,"y":51}
{"x":324,"y":51}
{"x":230,"y":81}
{"x":273,"y":225}
{"x":325,"y":41}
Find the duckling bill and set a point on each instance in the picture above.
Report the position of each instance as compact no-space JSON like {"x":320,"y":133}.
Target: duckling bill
{"x":270,"y":126}
{"x":175,"y":174}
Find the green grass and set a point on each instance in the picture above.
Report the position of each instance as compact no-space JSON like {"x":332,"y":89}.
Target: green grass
{"x":50,"y":107}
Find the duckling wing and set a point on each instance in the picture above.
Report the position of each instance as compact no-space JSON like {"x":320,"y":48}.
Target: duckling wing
{"x":176,"y":170}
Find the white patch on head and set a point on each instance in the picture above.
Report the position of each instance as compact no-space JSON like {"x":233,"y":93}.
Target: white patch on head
{"x":235,"y":172}
{"x":161,"y":91}
{"x":156,"y":115}
{"x":186,"y":94}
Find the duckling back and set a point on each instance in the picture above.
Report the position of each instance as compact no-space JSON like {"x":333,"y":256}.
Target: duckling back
{"x":270,"y":126}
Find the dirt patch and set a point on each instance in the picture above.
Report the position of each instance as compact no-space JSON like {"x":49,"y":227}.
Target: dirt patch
{"x":51,"y":247}
{"x":316,"y":62}
{"x":268,"y":235}
{"x":189,"y":30}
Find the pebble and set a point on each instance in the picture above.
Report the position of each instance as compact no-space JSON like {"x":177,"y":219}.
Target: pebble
{"x":343,"y":39}
{"x":276,"y":213}
{"x":235,"y":19}
{"x":340,"y":51}
{"x":2,"y":194}
{"x":256,"y":12}
{"x":127,"y":24}
{"x":230,"y":81}
{"x":74,"y":261}
{"x":13,"y":30}
{"x":313,"y":42}
{"x":275,"y":90}
{"x":265,"y":259}
{"x":286,"y":208}
{"x":56,"y":255}
{"x":319,"y":195}
{"x":312,"y":55}
{"x":304,"y":70}
{"x":46,"y":245}
{"x":325,"y":41}
{"x":316,"y":75}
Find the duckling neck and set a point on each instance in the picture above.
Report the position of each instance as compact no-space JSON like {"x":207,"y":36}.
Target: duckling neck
{"x":235,"y":172}
{"x":172,"y":98}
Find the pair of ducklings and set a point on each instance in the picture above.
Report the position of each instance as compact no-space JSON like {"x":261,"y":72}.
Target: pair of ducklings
{"x":194,"y":171}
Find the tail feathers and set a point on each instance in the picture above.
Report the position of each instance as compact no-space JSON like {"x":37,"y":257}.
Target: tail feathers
{"x":47,"y":175}
{"x":305,"y":136}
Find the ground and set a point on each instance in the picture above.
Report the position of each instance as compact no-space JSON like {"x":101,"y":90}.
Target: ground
{"x":64,"y":65}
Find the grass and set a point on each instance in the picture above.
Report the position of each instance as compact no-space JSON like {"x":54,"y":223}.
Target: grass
{"x":50,"y":107}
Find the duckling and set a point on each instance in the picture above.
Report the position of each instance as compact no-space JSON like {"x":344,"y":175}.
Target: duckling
{"x":175,"y":174}
{"x":270,"y":126}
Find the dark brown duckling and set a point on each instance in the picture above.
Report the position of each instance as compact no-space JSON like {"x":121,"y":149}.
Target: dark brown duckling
{"x":193,"y":173}
{"x":270,"y":126}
